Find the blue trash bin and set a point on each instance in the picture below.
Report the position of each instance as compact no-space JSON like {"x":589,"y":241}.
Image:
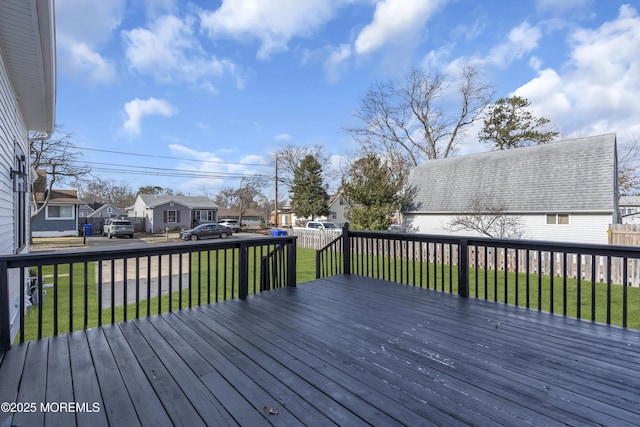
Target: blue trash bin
{"x":278,"y":233}
{"x":86,"y":229}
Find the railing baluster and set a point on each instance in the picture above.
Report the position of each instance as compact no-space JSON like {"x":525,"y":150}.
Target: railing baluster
{"x":593,"y":288}
{"x":137,"y":287}
{"x":625,"y":283}
{"x":125,"y":301}
{"x":55,"y":300}
{"x":70,"y":297}
{"x":608,"y":290}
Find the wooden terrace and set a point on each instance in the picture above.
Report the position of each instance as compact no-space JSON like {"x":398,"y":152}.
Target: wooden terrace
{"x":342,"y":350}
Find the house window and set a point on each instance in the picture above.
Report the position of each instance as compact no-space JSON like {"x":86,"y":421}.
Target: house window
{"x":172,"y":217}
{"x":204,"y":216}
{"x":560,"y":219}
{"x":55,"y":212}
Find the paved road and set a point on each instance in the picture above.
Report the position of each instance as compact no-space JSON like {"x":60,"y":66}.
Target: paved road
{"x":99,"y":241}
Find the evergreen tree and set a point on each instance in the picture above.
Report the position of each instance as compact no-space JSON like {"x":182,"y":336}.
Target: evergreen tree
{"x":309,"y":196}
{"x":508,"y":124}
{"x":374,"y":193}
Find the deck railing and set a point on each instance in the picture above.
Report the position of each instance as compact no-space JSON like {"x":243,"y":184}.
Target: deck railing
{"x":596,"y":282}
{"x":62,"y":291}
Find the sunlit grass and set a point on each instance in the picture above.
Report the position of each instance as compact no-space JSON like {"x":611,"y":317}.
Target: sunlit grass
{"x":217,"y":280}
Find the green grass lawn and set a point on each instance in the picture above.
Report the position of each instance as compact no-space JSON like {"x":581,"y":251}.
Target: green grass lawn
{"x":561,"y":298}
{"x":203,"y":289}
{"x":208,"y":286}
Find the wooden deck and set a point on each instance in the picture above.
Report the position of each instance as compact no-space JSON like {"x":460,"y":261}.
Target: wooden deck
{"x":344,"y":350}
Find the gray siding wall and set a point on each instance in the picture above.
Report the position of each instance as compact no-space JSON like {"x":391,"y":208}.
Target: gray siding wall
{"x":159,"y":223}
{"x":13,"y":141}
{"x":42,"y":225}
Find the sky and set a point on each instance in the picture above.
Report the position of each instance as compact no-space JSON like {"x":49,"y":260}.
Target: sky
{"x":196,"y":95}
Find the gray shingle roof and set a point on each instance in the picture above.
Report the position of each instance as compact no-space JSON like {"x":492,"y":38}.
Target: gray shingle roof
{"x":193,"y":202}
{"x":565,"y":176}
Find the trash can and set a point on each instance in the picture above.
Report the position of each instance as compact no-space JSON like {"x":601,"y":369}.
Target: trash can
{"x":278,"y":233}
{"x":86,"y":229}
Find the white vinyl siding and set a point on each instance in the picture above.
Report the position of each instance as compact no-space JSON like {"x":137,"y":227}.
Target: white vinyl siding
{"x":582,"y":227}
{"x":13,"y":142}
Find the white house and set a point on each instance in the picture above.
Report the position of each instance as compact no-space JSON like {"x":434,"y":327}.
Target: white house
{"x":564,"y":191}
{"x":630,"y":209}
{"x":27,"y":104}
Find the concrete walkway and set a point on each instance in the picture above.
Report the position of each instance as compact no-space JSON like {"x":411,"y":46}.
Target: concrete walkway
{"x":159,"y":278}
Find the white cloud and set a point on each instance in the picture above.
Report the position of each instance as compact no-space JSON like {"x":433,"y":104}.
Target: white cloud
{"x":272,"y":22}
{"x":335,"y":63}
{"x":82,"y":28}
{"x":137,"y":109}
{"x":564,"y":6}
{"x":89,"y":63}
{"x":596,"y":91}
{"x":283,"y":137}
{"x":521,"y":40}
{"x":168,"y":50}
{"x":395,"y":20}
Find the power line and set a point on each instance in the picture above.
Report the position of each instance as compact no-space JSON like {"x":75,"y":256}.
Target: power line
{"x":148,"y":170}
{"x":178,"y":158}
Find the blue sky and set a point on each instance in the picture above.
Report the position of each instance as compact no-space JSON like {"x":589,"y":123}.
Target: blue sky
{"x":152,"y":88}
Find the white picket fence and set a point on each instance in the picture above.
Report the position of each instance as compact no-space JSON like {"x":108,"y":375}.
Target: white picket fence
{"x":312,"y":238}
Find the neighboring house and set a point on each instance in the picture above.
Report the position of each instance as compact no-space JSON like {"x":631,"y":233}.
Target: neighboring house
{"x":250,"y":218}
{"x":563,"y":191}
{"x":84,"y":210}
{"x":60,"y":216}
{"x":630,"y":209}
{"x":338,"y":209}
{"x":285,"y":217}
{"x":162,"y":212}
{"x":107,"y":211}
{"x":27,"y":104}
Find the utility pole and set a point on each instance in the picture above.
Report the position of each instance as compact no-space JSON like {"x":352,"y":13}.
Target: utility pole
{"x":276,"y":214}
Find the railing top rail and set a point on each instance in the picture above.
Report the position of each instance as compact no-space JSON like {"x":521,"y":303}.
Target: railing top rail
{"x":537,"y":245}
{"x":99,"y":254}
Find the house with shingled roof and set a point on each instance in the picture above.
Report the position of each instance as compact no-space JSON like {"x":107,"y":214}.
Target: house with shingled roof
{"x":564,"y":191}
{"x":163,"y":211}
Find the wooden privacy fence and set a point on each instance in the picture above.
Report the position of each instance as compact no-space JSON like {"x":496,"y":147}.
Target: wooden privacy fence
{"x":624,"y":234}
{"x":532,"y":261}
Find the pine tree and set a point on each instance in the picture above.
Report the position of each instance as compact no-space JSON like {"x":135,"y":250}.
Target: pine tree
{"x":309,"y":197}
{"x":508,"y":124}
{"x":374,"y":193}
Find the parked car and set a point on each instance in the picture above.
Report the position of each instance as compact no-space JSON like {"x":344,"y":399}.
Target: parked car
{"x":103,"y":226}
{"x":321,"y":225}
{"x":206,"y":231}
{"x":233,"y":224}
{"x":118,"y":227}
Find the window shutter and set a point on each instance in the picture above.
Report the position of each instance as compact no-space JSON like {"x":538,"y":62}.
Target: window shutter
{"x":178,"y":216}
{"x":165,"y":216}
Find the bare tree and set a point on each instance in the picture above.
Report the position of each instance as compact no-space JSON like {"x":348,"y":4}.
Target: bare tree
{"x":487,"y":219}
{"x":106,"y":191}
{"x":629,"y":168}
{"x":60,"y":159}
{"x":412,"y":122}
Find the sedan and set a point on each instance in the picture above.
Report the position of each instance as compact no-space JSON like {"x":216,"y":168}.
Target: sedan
{"x":206,"y":231}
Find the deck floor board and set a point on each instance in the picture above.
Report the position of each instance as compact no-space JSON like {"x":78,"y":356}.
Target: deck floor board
{"x":344,"y":350}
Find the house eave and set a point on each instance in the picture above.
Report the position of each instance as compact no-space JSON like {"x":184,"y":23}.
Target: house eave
{"x":27,"y":41}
